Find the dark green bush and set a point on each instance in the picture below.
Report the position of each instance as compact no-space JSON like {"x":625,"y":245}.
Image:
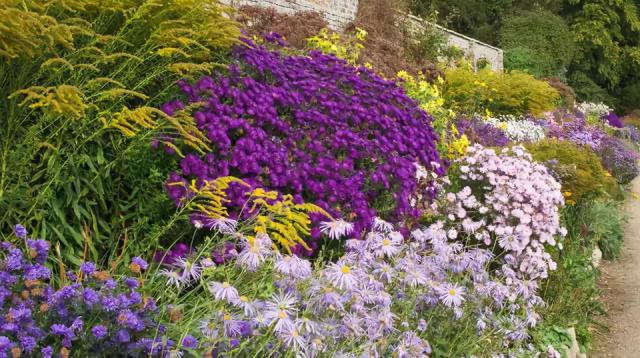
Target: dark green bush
{"x":541,"y":41}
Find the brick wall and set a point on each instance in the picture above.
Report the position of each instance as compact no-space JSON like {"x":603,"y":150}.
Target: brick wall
{"x":338,"y":13}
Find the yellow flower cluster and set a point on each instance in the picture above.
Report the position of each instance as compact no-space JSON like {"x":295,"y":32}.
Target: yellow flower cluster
{"x":271,"y":213}
{"x":333,"y":43}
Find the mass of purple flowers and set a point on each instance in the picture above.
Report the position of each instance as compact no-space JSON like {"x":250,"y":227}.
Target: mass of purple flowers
{"x":313,"y":126}
{"x":619,"y":160}
{"x":481,"y":132}
{"x":91,"y":311}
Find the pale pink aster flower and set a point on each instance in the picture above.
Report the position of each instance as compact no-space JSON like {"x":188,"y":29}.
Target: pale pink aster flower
{"x":384,"y":272}
{"x":452,"y":295}
{"x":341,"y":275}
{"x":336,"y":229}
{"x":282,"y":301}
{"x":231,"y":325}
{"x":381,"y":225}
{"x":248,"y":307}
{"x":207,"y":262}
{"x":223,"y":291}
{"x":209,"y":328}
{"x":251,"y":257}
{"x":223,"y":225}
{"x":174,"y":278}
{"x":292,"y":338}
{"x":307,"y":326}
{"x":280,"y":319}
{"x":388,"y":245}
{"x":293,"y":266}
{"x":190,"y":270}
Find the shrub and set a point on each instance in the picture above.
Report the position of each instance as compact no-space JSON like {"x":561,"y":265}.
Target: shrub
{"x":83,"y":67}
{"x":481,"y":132}
{"x":294,"y":28}
{"x":548,"y":40}
{"x":314,"y":127}
{"x":519,"y":129}
{"x":387,"y":47}
{"x":567,"y":94}
{"x":522,"y":59}
{"x":606,"y":227}
{"x":523,"y":227}
{"x":620,"y":161}
{"x":578,"y":169}
{"x":502,"y":93}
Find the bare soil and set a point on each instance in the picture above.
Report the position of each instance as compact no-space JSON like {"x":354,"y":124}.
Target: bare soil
{"x":620,"y":284}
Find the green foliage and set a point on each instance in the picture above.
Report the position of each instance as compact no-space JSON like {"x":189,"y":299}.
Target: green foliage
{"x":523,"y":59}
{"x":503,"y":93}
{"x":540,"y":40}
{"x":606,"y":227}
{"x":71,"y":72}
{"x":605,"y":36}
{"x":571,"y":291}
{"x":578,"y":169}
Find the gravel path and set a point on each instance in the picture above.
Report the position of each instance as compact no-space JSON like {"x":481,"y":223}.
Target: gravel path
{"x":621,"y":290}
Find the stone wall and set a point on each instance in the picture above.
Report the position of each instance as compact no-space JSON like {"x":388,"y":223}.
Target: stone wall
{"x":474,"y":49}
{"x":338,"y":13}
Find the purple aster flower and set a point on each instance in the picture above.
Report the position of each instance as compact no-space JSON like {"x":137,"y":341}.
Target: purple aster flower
{"x":190,"y":342}
{"x":20,"y":231}
{"x":88,"y":268}
{"x":4,"y":343}
{"x":99,"y":331}
{"x":142,"y":264}
{"x":122,"y":336}
{"x":47,"y":352}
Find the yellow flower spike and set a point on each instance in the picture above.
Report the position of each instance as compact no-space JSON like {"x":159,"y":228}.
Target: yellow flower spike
{"x":567,"y":194}
{"x":635,"y":195}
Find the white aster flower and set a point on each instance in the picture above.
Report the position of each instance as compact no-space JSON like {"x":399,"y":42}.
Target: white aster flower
{"x":336,"y":229}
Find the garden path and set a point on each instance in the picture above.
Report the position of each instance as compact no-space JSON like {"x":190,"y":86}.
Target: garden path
{"x":620,"y":283}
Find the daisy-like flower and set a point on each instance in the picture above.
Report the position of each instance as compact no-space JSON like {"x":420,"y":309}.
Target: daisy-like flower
{"x":384,"y":272}
{"x":381,"y":225}
{"x":174,"y":278}
{"x":282,"y":301}
{"x":341,"y":275}
{"x":293,"y":266}
{"x":223,"y":225}
{"x":336,"y":229}
{"x":388,"y":245}
{"x":292,"y":338}
{"x":209,"y":328}
{"x":231,"y":325}
{"x":251,"y":257}
{"x":223,"y":291}
{"x":249,"y":308}
{"x":452,"y":295}
{"x":306,"y":326}
{"x":190,"y":270}
{"x":280,"y":319}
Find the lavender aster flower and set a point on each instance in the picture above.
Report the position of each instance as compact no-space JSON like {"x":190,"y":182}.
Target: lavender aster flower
{"x":20,"y":231}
